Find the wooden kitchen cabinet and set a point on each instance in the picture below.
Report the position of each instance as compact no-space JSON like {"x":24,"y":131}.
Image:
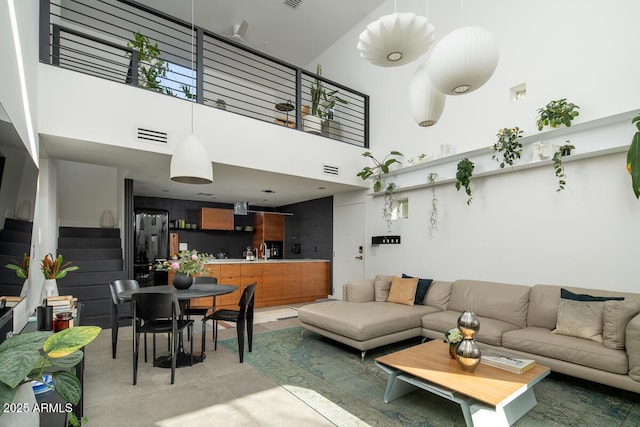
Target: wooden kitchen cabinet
{"x":216,"y":219}
{"x":268,"y":227}
{"x":272,"y":283}
{"x":250,"y":273}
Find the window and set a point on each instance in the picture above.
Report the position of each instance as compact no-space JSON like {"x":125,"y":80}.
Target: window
{"x":400,"y":209}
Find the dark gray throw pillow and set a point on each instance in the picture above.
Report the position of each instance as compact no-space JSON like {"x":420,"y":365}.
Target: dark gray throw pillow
{"x":421,"y":290}
{"x":565,"y":294}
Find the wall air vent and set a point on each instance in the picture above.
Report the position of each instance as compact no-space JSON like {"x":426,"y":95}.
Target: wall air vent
{"x":330,"y":170}
{"x":293,"y":4}
{"x":150,"y":135}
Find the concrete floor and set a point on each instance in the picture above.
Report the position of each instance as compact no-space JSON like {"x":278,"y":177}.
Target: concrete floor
{"x":218,"y":392}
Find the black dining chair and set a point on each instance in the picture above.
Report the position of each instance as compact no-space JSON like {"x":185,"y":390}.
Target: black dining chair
{"x":242,"y":316}
{"x":157,"y":313}
{"x":121,"y":311}
{"x":197,"y":311}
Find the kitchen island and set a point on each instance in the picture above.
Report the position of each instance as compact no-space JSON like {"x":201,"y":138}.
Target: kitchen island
{"x":279,"y":281}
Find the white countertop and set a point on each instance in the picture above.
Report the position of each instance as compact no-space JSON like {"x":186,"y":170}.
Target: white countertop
{"x":261,"y":261}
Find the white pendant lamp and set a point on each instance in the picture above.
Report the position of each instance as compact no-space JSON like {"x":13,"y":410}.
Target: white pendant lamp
{"x":425,"y":101}
{"x":396,"y":39}
{"x":463,"y":60}
{"x":190,"y":163}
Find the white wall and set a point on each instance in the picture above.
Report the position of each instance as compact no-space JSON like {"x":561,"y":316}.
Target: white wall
{"x":518,"y":228}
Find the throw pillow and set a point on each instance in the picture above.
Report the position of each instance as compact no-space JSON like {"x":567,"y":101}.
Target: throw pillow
{"x":403,"y":291}
{"x":565,"y":294}
{"x":582,"y":319}
{"x":381,"y":286}
{"x":421,"y":290}
{"x":615,"y":316}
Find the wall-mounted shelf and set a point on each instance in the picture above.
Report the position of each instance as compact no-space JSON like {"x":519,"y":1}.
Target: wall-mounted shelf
{"x":385,"y":240}
{"x":595,"y":138}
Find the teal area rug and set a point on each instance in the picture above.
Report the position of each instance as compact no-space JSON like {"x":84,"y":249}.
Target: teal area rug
{"x":330,"y":378}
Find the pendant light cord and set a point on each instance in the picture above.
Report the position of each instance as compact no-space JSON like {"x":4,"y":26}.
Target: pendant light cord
{"x":192,"y":76}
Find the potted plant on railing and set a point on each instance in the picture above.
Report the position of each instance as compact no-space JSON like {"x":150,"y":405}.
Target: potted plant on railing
{"x":322,"y":104}
{"x":557,"y":113}
{"x":44,"y":357}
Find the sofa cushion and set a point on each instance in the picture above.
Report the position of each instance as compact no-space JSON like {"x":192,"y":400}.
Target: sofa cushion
{"x":615,"y":317}
{"x":382,"y":285}
{"x":421,"y":290}
{"x":363,"y":321}
{"x":569,"y":349}
{"x":498,"y":301}
{"x":580,"y":318}
{"x":438,"y":294}
{"x":360,"y":291}
{"x":403,"y":291}
{"x":491,"y":330}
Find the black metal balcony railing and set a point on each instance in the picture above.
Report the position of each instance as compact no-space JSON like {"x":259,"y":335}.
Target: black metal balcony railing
{"x":96,"y":37}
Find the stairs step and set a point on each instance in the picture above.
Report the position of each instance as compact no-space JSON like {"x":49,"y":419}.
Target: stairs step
{"x":9,"y":289}
{"x":18,"y":225}
{"x":13,"y":248}
{"x":8,"y":277}
{"x":79,"y":278}
{"x":92,"y":253}
{"x":87,"y":242}
{"x":99,"y":264}
{"x":112,"y":233}
{"x":15,"y":236}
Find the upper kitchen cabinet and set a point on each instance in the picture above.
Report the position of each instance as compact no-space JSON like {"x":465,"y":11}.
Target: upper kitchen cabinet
{"x":216,"y":219}
{"x":268,"y":227}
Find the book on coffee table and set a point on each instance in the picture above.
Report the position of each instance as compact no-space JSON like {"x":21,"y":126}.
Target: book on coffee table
{"x":508,"y":362}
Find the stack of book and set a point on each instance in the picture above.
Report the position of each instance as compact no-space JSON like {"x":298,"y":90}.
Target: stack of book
{"x":508,"y":362}
{"x":63,"y":304}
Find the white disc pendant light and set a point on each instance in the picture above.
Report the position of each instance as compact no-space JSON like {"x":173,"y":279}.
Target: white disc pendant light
{"x":396,"y":39}
{"x":463,"y":60}
{"x":425,"y":101}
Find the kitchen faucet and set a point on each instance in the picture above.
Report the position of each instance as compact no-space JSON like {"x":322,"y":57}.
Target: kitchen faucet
{"x":265,"y":253}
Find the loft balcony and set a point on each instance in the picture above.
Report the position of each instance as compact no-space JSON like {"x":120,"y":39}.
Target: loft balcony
{"x":126,"y":42}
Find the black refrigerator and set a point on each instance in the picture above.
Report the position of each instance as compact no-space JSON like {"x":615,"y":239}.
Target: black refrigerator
{"x":151,"y":243}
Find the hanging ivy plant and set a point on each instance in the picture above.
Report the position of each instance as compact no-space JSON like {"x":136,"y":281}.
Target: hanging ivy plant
{"x":633,"y":158}
{"x":389,"y":204}
{"x":559,"y":167}
{"x":433,"y":218}
{"x":557,"y":113}
{"x":508,"y":145}
{"x":463,"y":176}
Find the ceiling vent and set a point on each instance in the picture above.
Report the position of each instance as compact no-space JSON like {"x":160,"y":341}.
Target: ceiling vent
{"x":293,"y":4}
{"x":150,"y":135}
{"x":330,"y":170}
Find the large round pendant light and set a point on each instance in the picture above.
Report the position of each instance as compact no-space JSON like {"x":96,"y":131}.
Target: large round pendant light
{"x":190,"y":162}
{"x":463,"y":60}
{"x":396,"y":39}
{"x":425,"y":101}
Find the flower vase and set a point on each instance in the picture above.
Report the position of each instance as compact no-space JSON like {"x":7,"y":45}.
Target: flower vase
{"x":468,"y":353}
{"x":49,"y":289}
{"x":182,"y":281}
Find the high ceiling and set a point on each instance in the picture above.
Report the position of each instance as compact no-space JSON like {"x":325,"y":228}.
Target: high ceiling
{"x":296,"y":36}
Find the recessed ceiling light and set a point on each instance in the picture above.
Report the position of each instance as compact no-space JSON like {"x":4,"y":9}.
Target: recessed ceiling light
{"x":322,"y":188}
{"x":268,"y":191}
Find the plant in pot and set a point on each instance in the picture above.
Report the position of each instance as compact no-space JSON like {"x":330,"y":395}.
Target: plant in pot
{"x":53,"y":269}
{"x":463,"y":176}
{"x":508,"y":145}
{"x":322,"y":104}
{"x":186,"y":264}
{"x":45,"y":357}
{"x":379,"y":168}
{"x":22,"y":271}
{"x":633,"y":158}
{"x":558,"y":166}
{"x":557,"y":113}
{"x":151,"y":68}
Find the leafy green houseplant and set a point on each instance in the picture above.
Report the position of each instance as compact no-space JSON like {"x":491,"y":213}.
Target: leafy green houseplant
{"x":27,"y":357}
{"x":21,"y":269}
{"x":559,"y":167}
{"x":379,"y":168}
{"x":151,"y":68}
{"x":633,"y":158}
{"x":463,"y":176}
{"x":557,"y":113}
{"x":508,"y":145}
{"x":55,"y":268}
{"x":323,"y":102}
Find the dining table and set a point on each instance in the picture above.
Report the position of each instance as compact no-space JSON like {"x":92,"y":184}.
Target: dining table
{"x":184,"y":296}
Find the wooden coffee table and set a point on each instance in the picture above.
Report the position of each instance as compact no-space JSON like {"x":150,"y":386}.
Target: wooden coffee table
{"x":488,"y":397}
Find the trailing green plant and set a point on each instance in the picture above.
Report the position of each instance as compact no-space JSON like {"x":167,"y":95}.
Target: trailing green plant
{"x":433,"y":217}
{"x":379,"y":168}
{"x":565,"y":149}
{"x":389,"y":204}
{"x":557,"y":113}
{"x":151,"y":68}
{"x":323,"y":102}
{"x":28,"y":356}
{"x":508,"y":145}
{"x":559,"y":167}
{"x":633,"y":158}
{"x":463,"y":176}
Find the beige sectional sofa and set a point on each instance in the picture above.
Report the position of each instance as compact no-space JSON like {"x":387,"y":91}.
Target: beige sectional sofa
{"x":515,"y":318}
